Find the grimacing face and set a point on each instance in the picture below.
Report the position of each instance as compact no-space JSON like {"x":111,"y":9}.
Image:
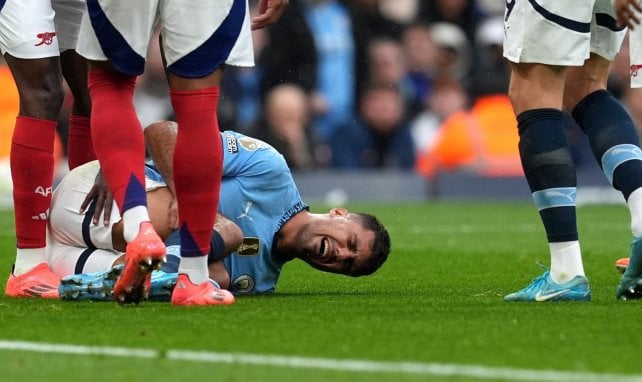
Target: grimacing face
{"x":336,"y":243}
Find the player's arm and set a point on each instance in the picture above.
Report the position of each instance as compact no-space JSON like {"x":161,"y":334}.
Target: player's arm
{"x":160,"y":140}
{"x":628,"y":12}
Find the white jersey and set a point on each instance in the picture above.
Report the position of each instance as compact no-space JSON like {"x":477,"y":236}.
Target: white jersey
{"x":31,"y":29}
{"x":558,"y":32}
{"x":197,"y":37}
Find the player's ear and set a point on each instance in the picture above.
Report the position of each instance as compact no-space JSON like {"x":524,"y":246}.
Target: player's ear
{"x":338,"y":212}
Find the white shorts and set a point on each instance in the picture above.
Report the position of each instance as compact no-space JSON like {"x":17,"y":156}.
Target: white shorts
{"x":68,"y":17}
{"x":32,"y":29}
{"x":558,"y":32}
{"x":635,"y":45}
{"x":198,"y":37}
{"x":74,"y":243}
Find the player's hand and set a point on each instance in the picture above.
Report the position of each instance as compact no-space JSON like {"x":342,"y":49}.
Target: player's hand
{"x":269,"y":12}
{"x":103,"y":197}
{"x":628,"y":12}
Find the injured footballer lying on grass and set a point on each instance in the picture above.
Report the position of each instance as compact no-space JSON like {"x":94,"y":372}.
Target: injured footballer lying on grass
{"x":261,"y":225}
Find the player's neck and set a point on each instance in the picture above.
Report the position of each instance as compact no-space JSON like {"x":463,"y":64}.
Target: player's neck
{"x":286,"y":237}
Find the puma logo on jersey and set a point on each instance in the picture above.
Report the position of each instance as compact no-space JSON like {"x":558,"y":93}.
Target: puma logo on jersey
{"x":246,"y":211}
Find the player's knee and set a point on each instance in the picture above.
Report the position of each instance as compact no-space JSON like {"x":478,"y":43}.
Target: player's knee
{"x":42,"y":102}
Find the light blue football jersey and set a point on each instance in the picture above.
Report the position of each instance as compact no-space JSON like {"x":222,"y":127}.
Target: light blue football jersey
{"x":258,"y":194}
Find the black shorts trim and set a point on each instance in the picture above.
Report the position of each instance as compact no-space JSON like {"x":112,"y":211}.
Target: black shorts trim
{"x":559,"y":20}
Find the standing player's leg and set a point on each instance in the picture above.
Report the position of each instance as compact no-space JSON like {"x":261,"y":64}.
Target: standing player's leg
{"x":116,"y":130}
{"x":29,"y":44}
{"x":80,"y":148}
{"x":536,"y":91}
{"x":550,"y":172}
{"x":221,"y":35}
{"x":121,"y":153}
{"x":32,"y":167}
{"x":74,"y":70}
{"x":616,"y":146}
{"x":611,"y":132}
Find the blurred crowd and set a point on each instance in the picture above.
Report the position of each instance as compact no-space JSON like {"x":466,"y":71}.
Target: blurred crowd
{"x":417,"y":85}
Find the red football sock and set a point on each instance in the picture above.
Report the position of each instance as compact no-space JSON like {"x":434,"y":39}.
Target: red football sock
{"x":79,"y":147}
{"x":198,"y":166}
{"x":32,"y":166}
{"x":117,"y":136}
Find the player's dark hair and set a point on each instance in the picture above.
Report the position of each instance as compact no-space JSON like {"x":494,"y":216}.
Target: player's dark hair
{"x":380,"y":246}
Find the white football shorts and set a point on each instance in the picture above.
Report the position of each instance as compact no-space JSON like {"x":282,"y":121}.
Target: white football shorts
{"x":558,"y":32}
{"x":32,"y":29}
{"x":197,"y":36}
{"x":68,"y":17}
{"x":74,"y":243}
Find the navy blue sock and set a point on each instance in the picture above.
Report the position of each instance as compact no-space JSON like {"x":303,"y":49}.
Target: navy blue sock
{"x":173,"y":242}
{"x":611,"y":131}
{"x":550,"y":171}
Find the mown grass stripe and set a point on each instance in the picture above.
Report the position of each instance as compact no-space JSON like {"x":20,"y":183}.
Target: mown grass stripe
{"x":347,"y":365}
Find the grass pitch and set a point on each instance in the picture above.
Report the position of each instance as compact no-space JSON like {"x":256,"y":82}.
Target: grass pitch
{"x":433,"y":312}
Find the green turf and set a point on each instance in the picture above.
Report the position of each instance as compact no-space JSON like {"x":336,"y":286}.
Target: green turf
{"x":437,"y":300}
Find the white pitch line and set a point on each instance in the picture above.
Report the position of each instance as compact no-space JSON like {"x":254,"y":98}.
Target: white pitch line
{"x":347,"y":365}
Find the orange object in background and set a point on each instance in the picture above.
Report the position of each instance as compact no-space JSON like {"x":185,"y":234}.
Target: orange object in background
{"x":482,"y":140}
{"x":9,"y":107}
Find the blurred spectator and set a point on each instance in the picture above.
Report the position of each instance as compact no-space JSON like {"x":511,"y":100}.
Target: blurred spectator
{"x":447,"y":98}
{"x":482,"y":141}
{"x":368,"y":23}
{"x":387,"y":66}
{"x":491,"y":73}
{"x":286,"y":126}
{"x":380,"y":138}
{"x":491,"y":7}
{"x":453,"y":51}
{"x":421,"y":57}
{"x":290,"y":53}
{"x":463,"y":13}
{"x":401,"y":11}
{"x":334,"y":99}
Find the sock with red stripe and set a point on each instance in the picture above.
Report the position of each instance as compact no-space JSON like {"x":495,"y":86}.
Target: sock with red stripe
{"x":198,"y":162}
{"x":79,"y":147}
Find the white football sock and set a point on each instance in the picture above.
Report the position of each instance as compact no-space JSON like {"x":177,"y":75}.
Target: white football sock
{"x":635,"y":207}
{"x":132,"y":218}
{"x":566,"y":261}
{"x":195,"y":268}
{"x":27,"y":259}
